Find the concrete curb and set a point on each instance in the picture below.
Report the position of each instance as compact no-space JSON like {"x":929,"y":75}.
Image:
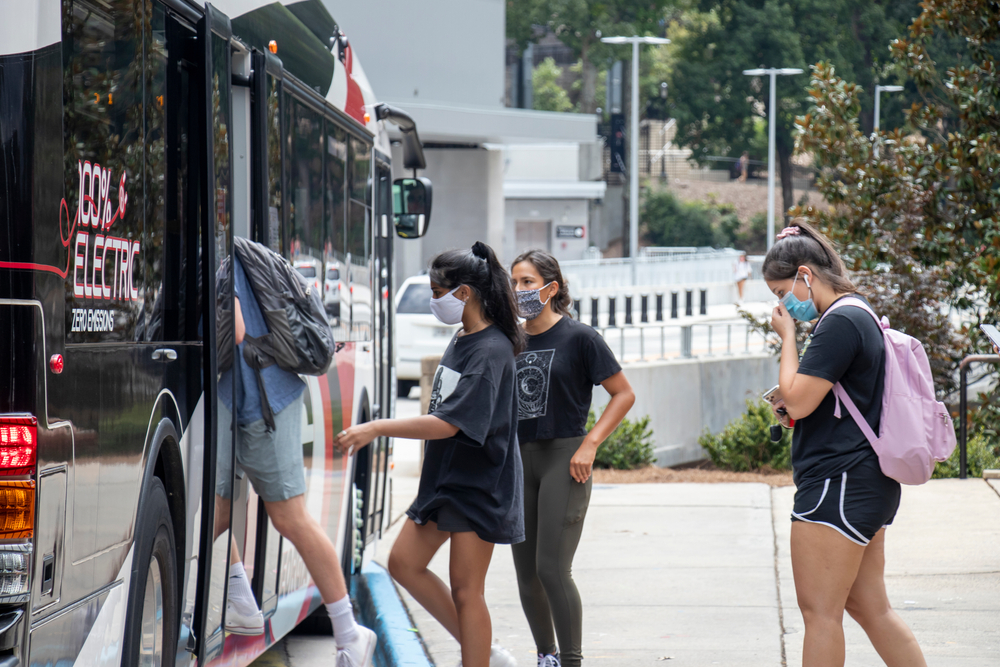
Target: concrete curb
{"x":381,"y":609}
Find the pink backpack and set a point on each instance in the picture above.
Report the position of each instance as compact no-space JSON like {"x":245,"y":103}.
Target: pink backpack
{"x":916,"y":430}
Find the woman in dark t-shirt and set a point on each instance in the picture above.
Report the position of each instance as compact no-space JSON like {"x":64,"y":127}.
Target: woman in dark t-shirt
{"x":843,"y":502}
{"x":470,"y":485}
{"x":556,"y":375}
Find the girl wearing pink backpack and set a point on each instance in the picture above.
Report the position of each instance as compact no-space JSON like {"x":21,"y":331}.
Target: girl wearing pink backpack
{"x":843,"y":500}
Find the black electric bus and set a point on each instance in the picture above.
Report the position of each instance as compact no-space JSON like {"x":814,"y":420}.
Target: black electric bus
{"x":138,"y":138}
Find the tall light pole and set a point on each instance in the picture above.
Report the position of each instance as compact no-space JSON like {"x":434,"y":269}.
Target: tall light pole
{"x":878,"y":96}
{"x":633,"y":151}
{"x":772,"y":114}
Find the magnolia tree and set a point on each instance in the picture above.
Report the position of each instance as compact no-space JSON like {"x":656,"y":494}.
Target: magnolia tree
{"x":916,"y":211}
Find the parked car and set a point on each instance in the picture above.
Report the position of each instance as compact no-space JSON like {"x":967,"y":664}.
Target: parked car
{"x":418,"y":332}
{"x":334,"y":290}
{"x":308,"y":269}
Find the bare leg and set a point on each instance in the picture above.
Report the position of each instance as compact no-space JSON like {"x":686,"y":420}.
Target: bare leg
{"x":869,"y":605}
{"x":824,"y":566}
{"x":408,"y":561}
{"x":470,"y":559}
{"x":292,"y":520}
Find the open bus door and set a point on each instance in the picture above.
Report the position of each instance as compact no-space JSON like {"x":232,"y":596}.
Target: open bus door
{"x":214,"y":103}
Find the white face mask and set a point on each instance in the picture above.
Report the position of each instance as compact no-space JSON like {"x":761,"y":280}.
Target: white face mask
{"x":449,"y":308}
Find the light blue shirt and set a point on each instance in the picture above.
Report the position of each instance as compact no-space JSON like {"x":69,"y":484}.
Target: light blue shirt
{"x":282,"y":387}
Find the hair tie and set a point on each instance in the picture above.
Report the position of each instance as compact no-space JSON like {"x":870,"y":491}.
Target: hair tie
{"x":787,"y":231}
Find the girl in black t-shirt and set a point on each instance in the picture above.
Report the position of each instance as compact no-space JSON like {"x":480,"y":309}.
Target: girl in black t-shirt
{"x":470,"y":484}
{"x":842,"y":501}
{"x":556,"y":375}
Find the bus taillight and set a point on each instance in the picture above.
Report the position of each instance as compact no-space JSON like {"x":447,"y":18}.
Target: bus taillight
{"x":17,"y":514}
{"x":18,"y":443}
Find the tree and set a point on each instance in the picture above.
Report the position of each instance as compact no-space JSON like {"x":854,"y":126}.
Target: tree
{"x":549,"y":95}
{"x":716,"y":105}
{"x":580,"y":24}
{"x":920,"y":222}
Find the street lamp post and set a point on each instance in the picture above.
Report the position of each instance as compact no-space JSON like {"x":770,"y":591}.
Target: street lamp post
{"x":878,"y":96}
{"x":633,"y":158}
{"x":772,"y":114}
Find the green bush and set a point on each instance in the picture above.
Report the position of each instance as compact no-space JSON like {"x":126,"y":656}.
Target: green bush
{"x":672,"y":222}
{"x":629,"y":446}
{"x":981,"y":453}
{"x":745,"y":444}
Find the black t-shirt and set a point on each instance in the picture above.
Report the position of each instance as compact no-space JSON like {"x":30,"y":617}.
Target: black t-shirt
{"x":846,"y":347}
{"x":556,"y":375}
{"x":478,"y":471}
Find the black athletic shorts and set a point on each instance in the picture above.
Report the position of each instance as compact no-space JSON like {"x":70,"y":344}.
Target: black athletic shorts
{"x":856,"y":503}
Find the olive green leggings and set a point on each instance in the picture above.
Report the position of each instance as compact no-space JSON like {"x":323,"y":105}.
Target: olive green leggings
{"x":554,"y":508}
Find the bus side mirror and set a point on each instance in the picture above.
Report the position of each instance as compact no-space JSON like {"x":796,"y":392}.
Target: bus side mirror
{"x":411,"y":206}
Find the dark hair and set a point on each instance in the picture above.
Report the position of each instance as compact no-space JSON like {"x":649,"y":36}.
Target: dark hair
{"x":480,"y":269}
{"x":548,"y":268}
{"x":807,"y":247}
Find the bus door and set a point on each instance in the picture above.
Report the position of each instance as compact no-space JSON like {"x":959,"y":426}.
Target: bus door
{"x":214,"y":100}
{"x":263,"y":542}
{"x":385,"y":338}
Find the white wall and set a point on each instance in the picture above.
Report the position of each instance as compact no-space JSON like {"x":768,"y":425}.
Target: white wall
{"x":561,"y":212}
{"x":467,"y":205}
{"x":440,"y":50}
{"x":542,"y":162}
{"x":685,"y":397}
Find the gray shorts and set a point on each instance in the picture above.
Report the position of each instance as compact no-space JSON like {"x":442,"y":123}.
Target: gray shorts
{"x":272,"y":461}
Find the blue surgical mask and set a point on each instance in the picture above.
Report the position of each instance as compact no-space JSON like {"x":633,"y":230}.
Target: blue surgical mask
{"x":804,"y":311}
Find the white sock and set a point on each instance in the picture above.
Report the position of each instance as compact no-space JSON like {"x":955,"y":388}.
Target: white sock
{"x":345,"y":630}
{"x":239,"y":586}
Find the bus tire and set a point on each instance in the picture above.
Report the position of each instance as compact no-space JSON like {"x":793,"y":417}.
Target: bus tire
{"x":151,"y":631}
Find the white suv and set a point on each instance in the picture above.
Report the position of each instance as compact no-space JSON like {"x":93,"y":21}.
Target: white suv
{"x":418,"y":332}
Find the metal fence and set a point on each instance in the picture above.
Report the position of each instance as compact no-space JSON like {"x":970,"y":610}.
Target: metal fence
{"x":705,"y":265}
{"x":651,"y":342}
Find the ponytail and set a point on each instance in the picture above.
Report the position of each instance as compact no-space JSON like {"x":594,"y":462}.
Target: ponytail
{"x":803,"y":244}
{"x":480,"y":269}
{"x":548,"y":268}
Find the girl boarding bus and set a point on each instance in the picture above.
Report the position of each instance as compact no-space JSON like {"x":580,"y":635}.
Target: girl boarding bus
{"x":139,"y":138}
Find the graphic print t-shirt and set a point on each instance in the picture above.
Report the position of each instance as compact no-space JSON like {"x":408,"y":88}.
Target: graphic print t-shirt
{"x":846,"y":347}
{"x":556,"y":375}
{"x":478,"y":471}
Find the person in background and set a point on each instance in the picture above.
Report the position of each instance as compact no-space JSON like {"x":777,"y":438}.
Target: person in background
{"x":741,"y":272}
{"x":556,"y":374}
{"x":470,"y":485}
{"x":744,"y":166}
{"x":272,"y":459}
{"x":843,"y":501}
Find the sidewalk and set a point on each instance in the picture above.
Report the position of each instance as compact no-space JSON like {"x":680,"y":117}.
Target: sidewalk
{"x":699,"y":574}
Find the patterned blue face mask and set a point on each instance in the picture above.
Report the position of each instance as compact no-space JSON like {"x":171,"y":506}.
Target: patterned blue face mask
{"x":804,"y":311}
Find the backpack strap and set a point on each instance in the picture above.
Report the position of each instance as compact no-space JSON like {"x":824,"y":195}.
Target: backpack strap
{"x":839,"y":393}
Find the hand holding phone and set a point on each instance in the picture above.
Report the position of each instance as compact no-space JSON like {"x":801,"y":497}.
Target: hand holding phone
{"x":993,"y":334}
{"x":773,"y":396}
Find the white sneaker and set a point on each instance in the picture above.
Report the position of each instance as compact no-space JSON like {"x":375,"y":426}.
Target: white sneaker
{"x":499,"y":657}
{"x":238,"y":622}
{"x":548,"y":660}
{"x":359,"y":652}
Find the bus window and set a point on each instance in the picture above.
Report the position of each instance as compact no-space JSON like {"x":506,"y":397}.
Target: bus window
{"x":306,"y":187}
{"x":274,"y":239}
{"x":336,"y":295}
{"x":359,"y":239}
{"x":103,"y":126}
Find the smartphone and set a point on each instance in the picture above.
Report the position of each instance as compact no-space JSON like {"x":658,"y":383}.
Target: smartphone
{"x":771,"y":395}
{"x":991,"y":332}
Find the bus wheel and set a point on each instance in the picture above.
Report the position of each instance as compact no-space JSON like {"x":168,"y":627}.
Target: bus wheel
{"x":151,"y":631}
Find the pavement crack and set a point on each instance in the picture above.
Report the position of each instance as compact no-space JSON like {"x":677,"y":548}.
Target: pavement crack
{"x":777,"y":586}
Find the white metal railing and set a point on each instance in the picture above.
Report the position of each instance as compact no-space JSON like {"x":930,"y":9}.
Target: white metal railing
{"x":650,"y":342}
{"x":659,"y":269}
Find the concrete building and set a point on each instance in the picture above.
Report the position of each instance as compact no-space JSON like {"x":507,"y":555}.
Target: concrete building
{"x":514,"y":178}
